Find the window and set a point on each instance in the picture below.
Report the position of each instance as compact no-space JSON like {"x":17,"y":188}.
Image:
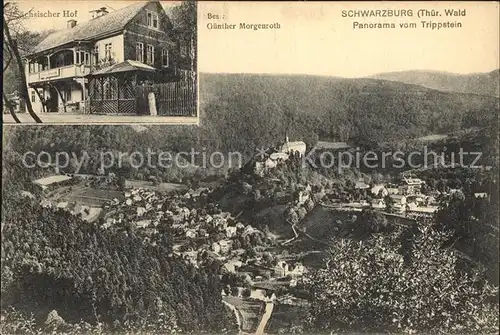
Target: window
{"x":164,"y":57}
{"x":150,"y":55}
{"x":96,"y":54}
{"x":33,"y":98}
{"x":139,"y":52}
{"x":108,"y":47}
{"x":34,"y":67}
{"x":153,"y":20}
{"x":83,"y":57}
{"x":184,"y":50}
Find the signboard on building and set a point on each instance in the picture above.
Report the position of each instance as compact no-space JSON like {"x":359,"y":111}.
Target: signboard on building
{"x":49,"y":74}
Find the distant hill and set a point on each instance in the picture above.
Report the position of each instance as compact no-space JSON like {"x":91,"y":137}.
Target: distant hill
{"x":247,"y":110}
{"x":477,"y":83}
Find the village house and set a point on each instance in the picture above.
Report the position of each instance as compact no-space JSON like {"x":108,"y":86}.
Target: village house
{"x":215,"y":247}
{"x":379,"y":191}
{"x":281,"y":269}
{"x":297,"y":270}
{"x":225,"y":246}
{"x":255,"y":270}
{"x":94,"y":66}
{"x":378,"y":203}
{"x":399,"y":202}
{"x":412,"y":208}
{"x":49,"y":183}
{"x":231,"y":231}
{"x":417,"y":199}
{"x":361,"y":185}
{"x":280,"y":152}
{"x":292,"y":147}
{"x":392,"y":190}
{"x":411,"y":186}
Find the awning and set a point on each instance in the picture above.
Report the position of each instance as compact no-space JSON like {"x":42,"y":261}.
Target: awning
{"x":126,"y":66}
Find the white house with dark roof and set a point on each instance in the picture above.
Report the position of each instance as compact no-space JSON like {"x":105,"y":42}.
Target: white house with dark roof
{"x":52,"y":181}
{"x":138,"y":38}
{"x":399,"y":202}
{"x":295,"y":146}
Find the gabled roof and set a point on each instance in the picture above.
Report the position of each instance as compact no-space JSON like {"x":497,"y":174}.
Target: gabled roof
{"x":361,"y":184}
{"x":128,"y":65}
{"x":100,"y":26}
{"x":332,"y":145}
{"x":397,"y":197}
{"x":51,"y":180}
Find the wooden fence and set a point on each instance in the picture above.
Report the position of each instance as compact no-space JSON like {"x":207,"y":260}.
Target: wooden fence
{"x":111,"y":96}
{"x":172,"y":99}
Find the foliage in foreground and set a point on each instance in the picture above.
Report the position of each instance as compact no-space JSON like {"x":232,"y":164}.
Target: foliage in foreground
{"x":370,"y":286}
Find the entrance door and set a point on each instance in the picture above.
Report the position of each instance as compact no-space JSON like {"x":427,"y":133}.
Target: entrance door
{"x":53,"y":101}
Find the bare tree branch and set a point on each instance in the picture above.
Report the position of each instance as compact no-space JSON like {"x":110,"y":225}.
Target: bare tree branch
{"x":10,"y":107}
{"x":20,"y":66}
{"x":8,"y":63}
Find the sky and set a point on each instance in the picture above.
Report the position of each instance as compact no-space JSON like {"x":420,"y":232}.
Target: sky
{"x":315,"y":39}
{"x":82,"y":9}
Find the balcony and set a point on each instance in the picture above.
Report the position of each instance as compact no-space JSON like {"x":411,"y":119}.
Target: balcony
{"x":64,"y":72}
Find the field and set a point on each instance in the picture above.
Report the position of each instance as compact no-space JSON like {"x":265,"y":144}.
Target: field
{"x":284,"y":316}
{"x":148,"y":185}
{"x":93,"y":197}
{"x":432,"y":138}
{"x":84,"y":195}
{"x":250,"y":312}
{"x":324,"y":223}
{"x":275,"y":219}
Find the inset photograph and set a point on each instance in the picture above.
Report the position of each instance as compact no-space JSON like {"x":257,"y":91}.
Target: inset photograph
{"x":86,"y":62}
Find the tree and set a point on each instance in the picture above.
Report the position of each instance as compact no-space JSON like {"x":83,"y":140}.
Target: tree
{"x":471,"y":222}
{"x":11,"y":17}
{"x":10,"y":105}
{"x":389,"y":204}
{"x":184,"y":19}
{"x":367,"y":287}
{"x":56,"y":261}
{"x":369,"y":222}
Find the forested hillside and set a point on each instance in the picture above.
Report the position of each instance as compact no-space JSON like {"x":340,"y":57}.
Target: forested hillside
{"x":119,"y":279}
{"x":54,"y":260}
{"x":477,"y":83}
{"x":243,"y":110}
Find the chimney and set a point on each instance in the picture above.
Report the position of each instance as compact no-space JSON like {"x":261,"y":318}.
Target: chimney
{"x":71,"y":23}
{"x":103,"y":11}
{"x":99,"y":12}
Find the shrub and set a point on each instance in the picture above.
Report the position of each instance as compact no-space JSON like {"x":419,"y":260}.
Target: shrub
{"x":368,"y":287}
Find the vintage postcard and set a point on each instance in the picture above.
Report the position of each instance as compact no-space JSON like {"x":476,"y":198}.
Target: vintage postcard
{"x":250,"y":167}
{"x":85,"y":62}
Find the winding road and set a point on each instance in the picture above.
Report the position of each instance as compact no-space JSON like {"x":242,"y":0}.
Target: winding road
{"x":265,"y":318}
{"x":236,"y":314}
